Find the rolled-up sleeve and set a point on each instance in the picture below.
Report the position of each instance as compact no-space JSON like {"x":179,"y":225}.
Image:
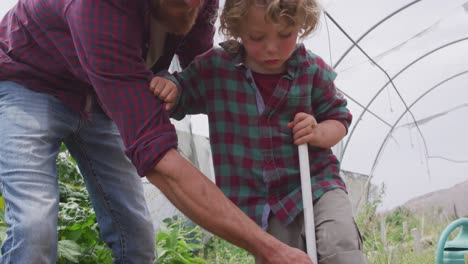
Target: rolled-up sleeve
{"x":329,"y":103}
{"x":332,"y":106}
{"x":108,"y":37}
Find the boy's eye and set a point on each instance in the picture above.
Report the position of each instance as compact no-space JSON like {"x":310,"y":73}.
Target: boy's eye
{"x":256,"y":38}
{"x":285,"y":35}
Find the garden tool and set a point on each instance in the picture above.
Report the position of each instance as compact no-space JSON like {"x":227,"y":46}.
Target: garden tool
{"x":309,"y":223}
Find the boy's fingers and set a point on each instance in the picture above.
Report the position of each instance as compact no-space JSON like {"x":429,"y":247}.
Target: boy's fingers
{"x":301,"y":133}
{"x":167,"y":91}
{"x":172,"y":95}
{"x":154,"y":82}
{"x":314,"y":122}
{"x":300,"y":116}
{"x":156,"y":88}
{"x":302,"y":125}
{"x":151,"y":86}
{"x":164,"y":91}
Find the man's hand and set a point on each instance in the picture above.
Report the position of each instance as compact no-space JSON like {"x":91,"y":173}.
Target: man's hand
{"x":165,"y":90}
{"x":288,"y":255}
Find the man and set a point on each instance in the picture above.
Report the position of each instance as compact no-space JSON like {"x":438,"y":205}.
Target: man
{"x":75,"y":71}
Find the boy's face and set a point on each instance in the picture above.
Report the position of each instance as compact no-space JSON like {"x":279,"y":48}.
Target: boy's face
{"x":178,"y":16}
{"x":268,"y":46}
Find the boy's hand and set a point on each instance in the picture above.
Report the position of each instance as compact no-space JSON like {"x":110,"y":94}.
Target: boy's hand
{"x":165,"y":90}
{"x":305,"y":129}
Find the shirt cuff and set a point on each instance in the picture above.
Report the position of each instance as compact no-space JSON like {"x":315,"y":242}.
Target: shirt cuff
{"x":149,"y":149}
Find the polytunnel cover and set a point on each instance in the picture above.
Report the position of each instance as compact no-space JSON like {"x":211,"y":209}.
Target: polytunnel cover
{"x":403,"y":67}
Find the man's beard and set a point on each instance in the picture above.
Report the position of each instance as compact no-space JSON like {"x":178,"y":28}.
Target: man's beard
{"x":179,"y":24}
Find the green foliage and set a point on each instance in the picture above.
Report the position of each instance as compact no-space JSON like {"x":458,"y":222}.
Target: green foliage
{"x":368,"y":225}
{"x":219,"y":251}
{"x":79,"y":239}
{"x":398,"y":245}
{"x":178,"y":242}
{"x":395,"y":221}
{"x":85,"y":235}
{"x":69,"y":250}
{"x":181,"y":242}
{"x":67,"y":169}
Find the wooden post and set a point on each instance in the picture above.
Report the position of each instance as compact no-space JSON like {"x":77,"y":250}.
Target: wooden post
{"x":422,"y":225}
{"x":383,"y":231}
{"x":405,"y":229}
{"x":417,"y":239}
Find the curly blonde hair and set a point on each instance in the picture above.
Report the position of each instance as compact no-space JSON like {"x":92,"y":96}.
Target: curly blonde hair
{"x":304,"y":14}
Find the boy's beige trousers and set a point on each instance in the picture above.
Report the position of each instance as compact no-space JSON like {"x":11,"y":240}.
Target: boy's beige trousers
{"x":338,"y":237}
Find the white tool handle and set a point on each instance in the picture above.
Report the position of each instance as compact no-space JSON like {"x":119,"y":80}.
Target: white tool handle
{"x":309,"y":223}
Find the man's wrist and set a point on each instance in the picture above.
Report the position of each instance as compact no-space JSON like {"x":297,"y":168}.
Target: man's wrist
{"x":268,"y":247}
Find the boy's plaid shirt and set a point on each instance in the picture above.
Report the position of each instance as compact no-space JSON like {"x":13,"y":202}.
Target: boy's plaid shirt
{"x":256,"y":163}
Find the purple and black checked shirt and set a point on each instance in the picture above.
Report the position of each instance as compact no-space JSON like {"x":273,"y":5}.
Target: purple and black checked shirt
{"x":256,"y":163}
{"x":76,"y":50}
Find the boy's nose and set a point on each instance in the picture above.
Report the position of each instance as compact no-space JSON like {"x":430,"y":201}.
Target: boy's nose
{"x":271,"y":47}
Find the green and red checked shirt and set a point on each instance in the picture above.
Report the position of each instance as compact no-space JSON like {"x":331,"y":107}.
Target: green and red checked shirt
{"x":255,"y":161}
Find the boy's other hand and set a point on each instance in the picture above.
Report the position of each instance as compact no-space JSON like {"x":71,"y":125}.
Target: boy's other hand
{"x":165,"y":90}
{"x":305,"y":129}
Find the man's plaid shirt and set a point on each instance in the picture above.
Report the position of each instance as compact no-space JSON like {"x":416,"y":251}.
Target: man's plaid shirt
{"x":79,"y":49}
{"x":256,"y":163}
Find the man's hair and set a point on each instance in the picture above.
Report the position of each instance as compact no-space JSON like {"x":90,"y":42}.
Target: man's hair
{"x":304,"y":14}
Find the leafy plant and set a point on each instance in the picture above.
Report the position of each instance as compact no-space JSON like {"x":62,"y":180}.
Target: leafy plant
{"x":219,"y":251}
{"x":79,"y":239}
{"x":179,"y":242}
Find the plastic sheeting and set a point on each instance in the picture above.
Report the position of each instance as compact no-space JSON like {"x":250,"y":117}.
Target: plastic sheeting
{"x":403,"y":67}
{"x":406,"y":83}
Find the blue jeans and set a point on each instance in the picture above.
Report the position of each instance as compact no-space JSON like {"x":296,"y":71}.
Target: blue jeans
{"x":32,"y":128}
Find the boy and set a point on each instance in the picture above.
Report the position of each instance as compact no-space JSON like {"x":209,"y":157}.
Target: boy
{"x":259,"y":90}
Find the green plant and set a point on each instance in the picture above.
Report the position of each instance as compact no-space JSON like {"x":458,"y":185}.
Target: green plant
{"x":398,"y":245}
{"x":178,"y":242}
{"x":79,"y":238}
{"x":219,"y":251}
{"x":181,"y":241}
